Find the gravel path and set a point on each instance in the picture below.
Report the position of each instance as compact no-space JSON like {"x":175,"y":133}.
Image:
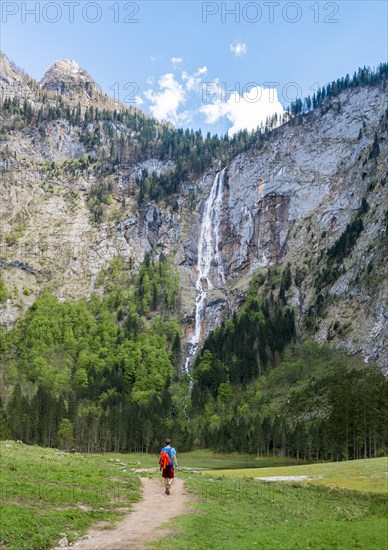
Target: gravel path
{"x":143,"y":522}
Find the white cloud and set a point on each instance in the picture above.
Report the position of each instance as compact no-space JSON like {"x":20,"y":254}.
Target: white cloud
{"x":247,"y":111}
{"x":155,"y":57}
{"x":175,"y":98}
{"x":194,"y":81}
{"x":176,"y":61}
{"x":238,"y":48}
{"x":166,"y":102}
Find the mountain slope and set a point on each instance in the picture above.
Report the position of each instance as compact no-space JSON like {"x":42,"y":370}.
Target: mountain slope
{"x":81,"y":185}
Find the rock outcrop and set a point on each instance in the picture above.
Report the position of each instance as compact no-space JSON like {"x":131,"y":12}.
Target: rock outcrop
{"x":69,"y":79}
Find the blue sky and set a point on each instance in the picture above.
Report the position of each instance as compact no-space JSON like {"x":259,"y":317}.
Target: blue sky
{"x":220,"y":66}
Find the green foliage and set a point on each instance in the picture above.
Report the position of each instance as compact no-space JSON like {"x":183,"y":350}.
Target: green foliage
{"x":317,"y":404}
{"x":5,"y":431}
{"x":246,"y":344}
{"x":341,"y":249}
{"x":103,"y":375}
{"x":14,"y":235}
{"x":100,"y":195}
{"x":345,"y":243}
{"x":3,"y":291}
{"x":375,"y":150}
{"x":65,"y":433}
{"x":96,"y":366}
{"x":285,"y":283}
{"x":157,"y":286}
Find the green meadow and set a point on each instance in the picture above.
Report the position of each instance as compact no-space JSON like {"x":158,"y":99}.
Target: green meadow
{"x":369,"y":475}
{"x":46,"y":494}
{"x":344,"y":506}
{"x":241,"y":513}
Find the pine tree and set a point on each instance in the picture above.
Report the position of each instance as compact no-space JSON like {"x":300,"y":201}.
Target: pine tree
{"x":5,"y":431}
{"x":65,"y":434}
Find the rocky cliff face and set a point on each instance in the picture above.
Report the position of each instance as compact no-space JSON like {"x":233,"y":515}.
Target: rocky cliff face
{"x":286,"y":201}
{"x":294,"y":198}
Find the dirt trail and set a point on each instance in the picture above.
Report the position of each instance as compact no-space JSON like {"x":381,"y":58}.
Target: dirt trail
{"x":140,"y":526}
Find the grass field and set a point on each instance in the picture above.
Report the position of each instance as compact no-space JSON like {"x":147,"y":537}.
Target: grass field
{"x":369,"y":475}
{"x":46,"y":494}
{"x":240,"y":513}
{"x":344,"y":507}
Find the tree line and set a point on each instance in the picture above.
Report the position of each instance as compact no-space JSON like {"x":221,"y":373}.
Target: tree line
{"x":317,"y":404}
{"x":365,"y":76}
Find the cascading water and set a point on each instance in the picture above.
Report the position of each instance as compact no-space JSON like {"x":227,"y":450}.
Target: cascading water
{"x":208,"y":257}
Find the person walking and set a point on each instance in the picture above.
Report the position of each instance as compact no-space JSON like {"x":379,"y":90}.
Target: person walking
{"x":168,"y":473}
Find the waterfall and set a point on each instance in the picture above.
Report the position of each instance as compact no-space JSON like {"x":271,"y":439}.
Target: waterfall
{"x":209,"y":257}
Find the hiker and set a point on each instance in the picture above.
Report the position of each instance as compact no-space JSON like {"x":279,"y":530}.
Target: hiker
{"x":168,"y":468}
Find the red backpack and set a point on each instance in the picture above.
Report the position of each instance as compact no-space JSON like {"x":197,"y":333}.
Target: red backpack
{"x":164,"y":459}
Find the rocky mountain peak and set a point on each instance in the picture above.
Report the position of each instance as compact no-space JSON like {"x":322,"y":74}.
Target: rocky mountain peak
{"x":66,"y":77}
{"x":66,"y":66}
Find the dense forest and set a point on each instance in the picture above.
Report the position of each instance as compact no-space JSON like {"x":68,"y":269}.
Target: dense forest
{"x":107,"y":375}
{"x":257,"y":389}
{"x":100,"y":369}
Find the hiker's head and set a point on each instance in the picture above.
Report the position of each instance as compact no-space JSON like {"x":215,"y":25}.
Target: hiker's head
{"x":168,"y":442}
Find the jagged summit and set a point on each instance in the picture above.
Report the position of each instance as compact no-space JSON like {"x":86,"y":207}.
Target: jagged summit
{"x":66,"y":77}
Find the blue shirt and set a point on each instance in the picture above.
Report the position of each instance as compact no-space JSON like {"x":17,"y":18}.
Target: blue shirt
{"x":171,"y":451}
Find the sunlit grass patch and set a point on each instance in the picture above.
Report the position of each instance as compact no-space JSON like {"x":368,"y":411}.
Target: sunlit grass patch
{"x":369,"y":475}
